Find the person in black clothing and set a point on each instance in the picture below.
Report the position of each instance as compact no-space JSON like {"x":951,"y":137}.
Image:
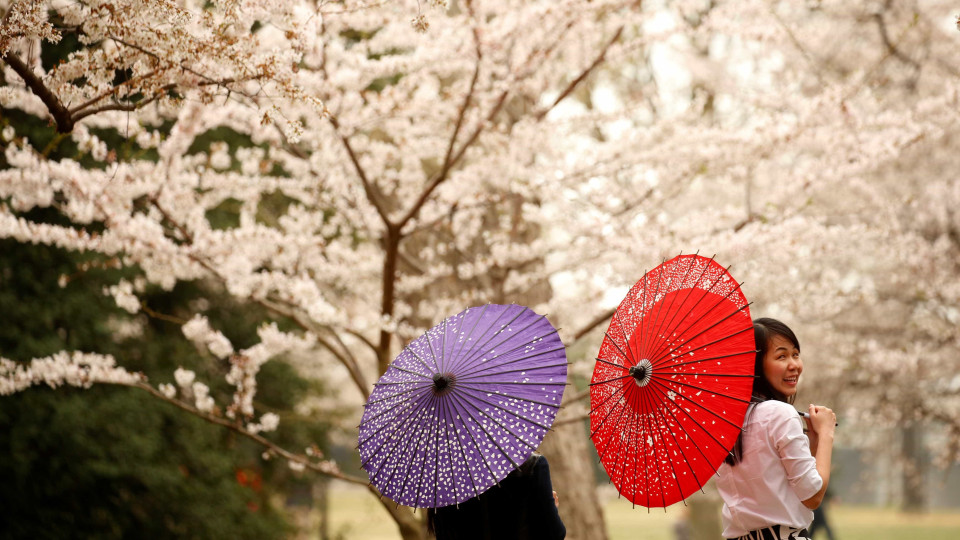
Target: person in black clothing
{"x":523,"y":506}
{"x":820,"y":518}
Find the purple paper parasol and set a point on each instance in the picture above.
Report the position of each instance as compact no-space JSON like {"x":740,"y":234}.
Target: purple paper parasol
{"x":463,"y":405}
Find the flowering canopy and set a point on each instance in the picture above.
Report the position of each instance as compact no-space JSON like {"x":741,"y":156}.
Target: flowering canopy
{"x":384,"y":164}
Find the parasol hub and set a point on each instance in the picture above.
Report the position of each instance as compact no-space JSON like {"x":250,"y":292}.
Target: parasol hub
{"x":642,"y":372}
{"x":443,"y":383}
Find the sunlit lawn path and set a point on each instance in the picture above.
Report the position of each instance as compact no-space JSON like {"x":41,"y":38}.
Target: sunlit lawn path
{"x":357,"y":516}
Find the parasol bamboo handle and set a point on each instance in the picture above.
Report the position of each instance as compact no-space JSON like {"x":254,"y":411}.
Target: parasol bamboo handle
{"x":807,"y":415}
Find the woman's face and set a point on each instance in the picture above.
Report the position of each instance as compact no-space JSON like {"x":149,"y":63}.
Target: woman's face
{"x":782,"y":365}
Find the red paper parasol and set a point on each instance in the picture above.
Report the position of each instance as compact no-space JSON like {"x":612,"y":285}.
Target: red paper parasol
{"x":672,"y":381}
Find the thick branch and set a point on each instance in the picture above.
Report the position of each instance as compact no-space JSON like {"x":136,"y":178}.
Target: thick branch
{"x":372,"y":195}
{"x":391,"y":247}
{"x":60,"y":114}
{"x":394,"y":235}
{"x":448,"y":160}
{"x":66,"y":118}
{"x":407,"y":522}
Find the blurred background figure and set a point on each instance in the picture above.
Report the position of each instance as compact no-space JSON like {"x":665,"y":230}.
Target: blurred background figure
{"x":682,"y":530}
{"x":820,"y":518}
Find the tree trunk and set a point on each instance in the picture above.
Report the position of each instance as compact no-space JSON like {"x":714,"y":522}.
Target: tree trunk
{"x":321,"y":497}
{"x":571,"y":472}
{"x":914,"y":471}
{"x":705,"y":513}
{"x":410,"y":526}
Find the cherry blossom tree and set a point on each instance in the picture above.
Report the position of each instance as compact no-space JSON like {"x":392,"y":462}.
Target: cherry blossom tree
{"x":377,"y":150}
{"x":384,"y":164}
{"x":808,"y":152}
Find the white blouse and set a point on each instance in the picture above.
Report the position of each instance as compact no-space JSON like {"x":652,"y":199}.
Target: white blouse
{"x":776,"y":473}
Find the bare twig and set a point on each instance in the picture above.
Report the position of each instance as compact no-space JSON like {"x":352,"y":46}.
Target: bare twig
{"x":575,"y":419}
{"x":888,"y":43}
{"x":583,"y":75}
{"x":161,"y":316}
{"x":600,"y":319}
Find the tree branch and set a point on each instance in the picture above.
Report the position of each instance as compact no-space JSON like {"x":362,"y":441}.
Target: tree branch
{"x":888,"y":43}
{"x":352,"y":367}
{"x":575,"y":419}
{"x":357,"y":375}
{"x":110,"y":92}
{"x":66,"y":118}
{"x":372,"y":195}
{"x":583,"y":75}
{"x":362,"y":338}
{"x":600,"y":319}
{"x":61,"y":115}
{"x":181,"y":65}
{"x":448,"y":161}
{"x":237,"y":428}
{"x":124,"y":106}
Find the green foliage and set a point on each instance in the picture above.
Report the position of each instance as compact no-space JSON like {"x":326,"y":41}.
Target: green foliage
{"x":115,"y":462}
{"x":225,"y":215}
{"x":232,"y":137}
{"x":272,"y":206}
{"x":378,"y":84}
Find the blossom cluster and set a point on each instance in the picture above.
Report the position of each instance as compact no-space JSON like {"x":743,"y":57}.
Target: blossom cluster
{"x":64,"y":368}
{"x":380,"y":175}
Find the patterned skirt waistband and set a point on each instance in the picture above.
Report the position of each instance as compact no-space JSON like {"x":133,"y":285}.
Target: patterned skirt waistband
{"x":775,"y":532}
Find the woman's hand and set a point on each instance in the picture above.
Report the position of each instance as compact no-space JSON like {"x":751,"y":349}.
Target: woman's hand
{"x":822,"y":421}
{"x":556,"y":499}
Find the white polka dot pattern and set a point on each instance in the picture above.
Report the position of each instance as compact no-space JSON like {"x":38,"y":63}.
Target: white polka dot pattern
{"x":463,"y":405}
{"x":672,"y":381}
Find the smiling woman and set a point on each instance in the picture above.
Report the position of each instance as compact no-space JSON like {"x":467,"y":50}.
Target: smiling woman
{"x":777,"y":502}
{"x":782,"y":366}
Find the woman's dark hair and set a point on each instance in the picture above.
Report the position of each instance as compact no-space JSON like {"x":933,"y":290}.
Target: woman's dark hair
{"x":525,"y":469}
{"x":764,"y":330}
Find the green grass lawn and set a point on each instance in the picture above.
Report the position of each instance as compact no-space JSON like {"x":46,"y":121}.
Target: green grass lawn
{"x":355,"y":515}
{"x":639,"y":523}
{"x":847,"y":522}
{"x":861,"y":523}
